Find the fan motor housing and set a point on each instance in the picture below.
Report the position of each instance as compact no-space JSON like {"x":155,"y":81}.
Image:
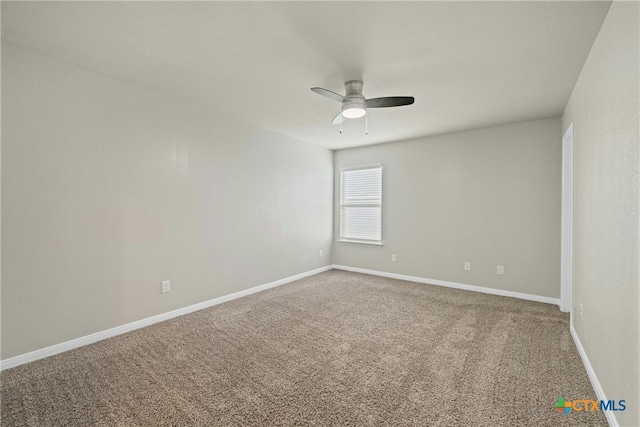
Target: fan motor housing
{"x":354,"y":104}
{"x":353,"y":89}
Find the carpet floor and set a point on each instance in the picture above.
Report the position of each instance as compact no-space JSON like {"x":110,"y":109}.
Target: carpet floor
{"x":338,"y":348}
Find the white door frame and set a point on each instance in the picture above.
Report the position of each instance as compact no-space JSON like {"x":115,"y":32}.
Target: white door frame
{"x":566,"y":245}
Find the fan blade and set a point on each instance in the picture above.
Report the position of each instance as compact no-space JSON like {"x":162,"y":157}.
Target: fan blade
{"x":338,"y":119}
{"x":390,"y":101}
{"x":328,"y":94}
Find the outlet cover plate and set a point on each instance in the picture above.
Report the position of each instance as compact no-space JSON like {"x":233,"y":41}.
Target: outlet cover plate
{"x":166,"y":286}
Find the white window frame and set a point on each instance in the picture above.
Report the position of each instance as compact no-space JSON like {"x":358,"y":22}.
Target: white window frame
{"x":344,"y":239}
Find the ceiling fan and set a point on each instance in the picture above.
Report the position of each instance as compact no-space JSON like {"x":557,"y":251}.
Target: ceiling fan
{"x":354,"y":104}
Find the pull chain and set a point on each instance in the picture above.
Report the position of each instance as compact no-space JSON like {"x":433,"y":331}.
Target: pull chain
{"x":366,"y":124}
{"x":341,"y":125}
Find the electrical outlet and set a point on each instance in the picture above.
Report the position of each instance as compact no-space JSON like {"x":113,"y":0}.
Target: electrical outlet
{"x":500,"y":270}
{"x":321,"y":253}
{"x":166,"y":286}
{"x":394,"y":258}
{"x":580,"y":313}
{"x":467,"y":266}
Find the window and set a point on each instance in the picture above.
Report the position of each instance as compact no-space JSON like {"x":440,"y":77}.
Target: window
{"x":361,"y":205}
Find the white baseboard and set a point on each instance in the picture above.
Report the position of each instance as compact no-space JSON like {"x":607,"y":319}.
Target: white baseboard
{"x":492,"y":291}
{"x":118,"y":330}
{"x":611,"y":418}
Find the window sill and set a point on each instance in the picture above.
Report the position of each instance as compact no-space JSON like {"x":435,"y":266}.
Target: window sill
{"x":360,"y":242}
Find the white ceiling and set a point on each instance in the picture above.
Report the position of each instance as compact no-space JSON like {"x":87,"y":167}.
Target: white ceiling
{"x":468,"y":64}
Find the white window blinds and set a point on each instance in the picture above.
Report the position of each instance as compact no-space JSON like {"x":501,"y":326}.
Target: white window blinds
{"x":361,"y":205}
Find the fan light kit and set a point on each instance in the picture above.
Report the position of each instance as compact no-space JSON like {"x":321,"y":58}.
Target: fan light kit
{"x":354,"y":104}
{"x":353,"y":112}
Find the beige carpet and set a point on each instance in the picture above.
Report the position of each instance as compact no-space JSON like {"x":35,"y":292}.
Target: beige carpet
{"x":338,"y":348}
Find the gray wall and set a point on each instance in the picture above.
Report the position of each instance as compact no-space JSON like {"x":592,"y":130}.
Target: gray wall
{"x":604,"y":109}
{"x":489,"y":196}
{"x":109,"y":189}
